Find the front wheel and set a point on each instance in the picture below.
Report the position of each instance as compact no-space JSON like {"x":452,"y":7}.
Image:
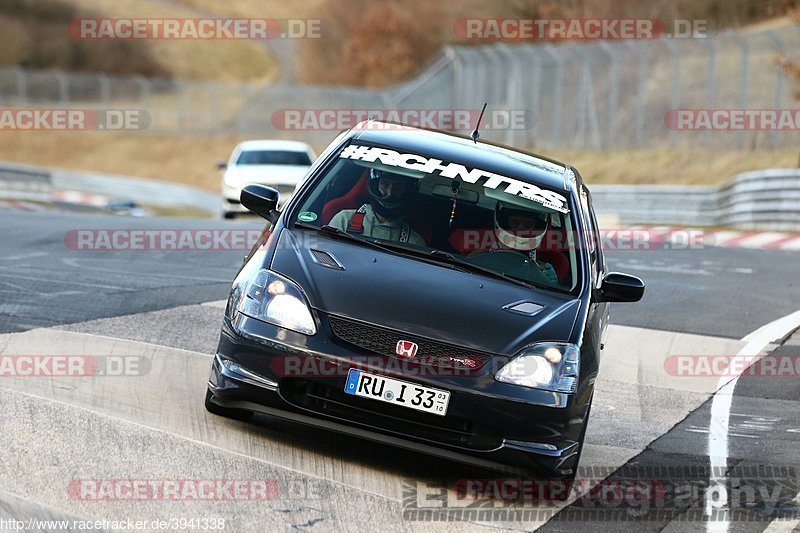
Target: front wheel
{"x":235,"y":414}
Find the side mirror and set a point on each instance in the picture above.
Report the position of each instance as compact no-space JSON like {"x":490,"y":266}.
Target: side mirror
{"x":618,"y":287}
{"x":222,"y":165}
{"x":261,"y":200}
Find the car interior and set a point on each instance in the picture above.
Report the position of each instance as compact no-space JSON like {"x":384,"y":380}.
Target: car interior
{"x":471,"y":231}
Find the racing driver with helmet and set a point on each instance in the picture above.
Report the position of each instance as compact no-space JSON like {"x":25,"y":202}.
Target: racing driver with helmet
{"x":384,"y":216}
{"x":521,"y":230}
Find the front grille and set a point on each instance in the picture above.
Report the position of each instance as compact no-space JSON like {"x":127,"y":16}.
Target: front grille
{"x":383,"y":341}
{"x":330,"y":400}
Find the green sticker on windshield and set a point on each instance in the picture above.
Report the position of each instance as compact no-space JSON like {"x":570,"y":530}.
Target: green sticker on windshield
{"x":307,"y":216}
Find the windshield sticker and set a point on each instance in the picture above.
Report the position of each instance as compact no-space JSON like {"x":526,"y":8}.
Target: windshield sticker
{"x":307,"y":216}
{"x":529,"y":191}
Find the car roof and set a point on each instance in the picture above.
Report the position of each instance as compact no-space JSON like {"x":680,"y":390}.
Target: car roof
{"x":273,"y":144}
{"x":450,"y":147}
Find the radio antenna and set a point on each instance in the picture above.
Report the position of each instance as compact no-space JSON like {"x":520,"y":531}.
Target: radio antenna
{"x":475,"y":132}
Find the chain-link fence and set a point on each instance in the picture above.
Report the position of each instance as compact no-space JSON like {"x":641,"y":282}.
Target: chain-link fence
{"x":598,"y":95}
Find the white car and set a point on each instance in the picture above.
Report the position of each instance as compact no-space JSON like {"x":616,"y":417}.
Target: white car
{"x":278,"y":164}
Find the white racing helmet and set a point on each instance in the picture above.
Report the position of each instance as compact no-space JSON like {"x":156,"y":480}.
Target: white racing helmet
{"x":529,"y":231}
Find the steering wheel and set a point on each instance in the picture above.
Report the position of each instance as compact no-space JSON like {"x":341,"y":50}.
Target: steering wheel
{"x":511,"y":263}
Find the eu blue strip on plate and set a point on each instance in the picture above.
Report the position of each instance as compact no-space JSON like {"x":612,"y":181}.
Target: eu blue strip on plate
{"x":352,"y":381}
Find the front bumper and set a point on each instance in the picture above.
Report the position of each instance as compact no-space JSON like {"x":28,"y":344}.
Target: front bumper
{"x":484,"y":426}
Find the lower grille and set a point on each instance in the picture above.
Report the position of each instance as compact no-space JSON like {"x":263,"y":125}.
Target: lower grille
{"x":330,"y":400}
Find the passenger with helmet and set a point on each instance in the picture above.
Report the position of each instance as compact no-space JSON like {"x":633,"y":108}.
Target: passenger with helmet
{"x":522,"y":230}
{"x":384,"y":216}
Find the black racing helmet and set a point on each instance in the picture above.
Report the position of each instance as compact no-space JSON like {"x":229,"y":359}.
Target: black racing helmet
{"x":390,"y":192}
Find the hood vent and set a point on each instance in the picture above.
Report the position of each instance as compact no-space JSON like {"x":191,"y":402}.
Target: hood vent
{"x":524,"y":307}
{"x":325,"y":259}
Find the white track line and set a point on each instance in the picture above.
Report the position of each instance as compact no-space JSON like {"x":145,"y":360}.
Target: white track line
{"x":721,"y":408}
{"x":784,"y":526}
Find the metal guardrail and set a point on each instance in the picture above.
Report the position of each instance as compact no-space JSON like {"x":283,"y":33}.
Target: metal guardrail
{"x":24,"y":183}
{"x":759,"y":200}
{"x":20,"y":182}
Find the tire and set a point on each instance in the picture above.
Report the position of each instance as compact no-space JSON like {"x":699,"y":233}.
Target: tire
{"x":228,"y":215}
{"x":235,"y":414}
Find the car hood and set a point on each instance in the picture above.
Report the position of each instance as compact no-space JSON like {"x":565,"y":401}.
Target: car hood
{"x":266,"y":174}
{"x":419,"y":298}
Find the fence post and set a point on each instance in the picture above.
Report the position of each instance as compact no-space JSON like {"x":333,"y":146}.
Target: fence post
{"x":778,"y":99}
{"x":641,"y":83}
{"x":183,"y":106}
{"x":216,"y":102}
{"x":105,"y":89}
{"x":536,"y":94}
{"x":676,"y":83}
{"x":512,"y":92}
{"x":711,"y":83}
{"x":613,"y":94}
{"x":559,"y":92}
{"x":22,"y":84}
{"x":744,"y":100}
{"x":452,"y":54}
{"x":63,"y":88}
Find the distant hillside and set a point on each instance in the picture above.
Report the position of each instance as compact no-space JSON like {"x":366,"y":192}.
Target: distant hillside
{"x":33,"y":34}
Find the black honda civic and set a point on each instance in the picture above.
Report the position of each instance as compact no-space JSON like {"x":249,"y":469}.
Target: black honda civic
{"x":427,"y":291}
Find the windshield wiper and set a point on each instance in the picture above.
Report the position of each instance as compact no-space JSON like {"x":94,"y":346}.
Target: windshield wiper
{"x":336,"y":232}
{"x":386,"y":246}
{"x":459,"y":263}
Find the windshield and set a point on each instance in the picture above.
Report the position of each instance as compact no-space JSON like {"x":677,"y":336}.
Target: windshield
{"x":273,"y":157}
{"x":448,"y":211}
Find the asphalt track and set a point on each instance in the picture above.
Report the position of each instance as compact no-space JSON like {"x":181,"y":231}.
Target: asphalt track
{"x":165,"y":307}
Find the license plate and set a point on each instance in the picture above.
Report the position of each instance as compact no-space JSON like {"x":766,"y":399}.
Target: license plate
{"x":397,"y":392}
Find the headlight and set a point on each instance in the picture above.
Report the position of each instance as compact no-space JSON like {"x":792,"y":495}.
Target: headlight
{"x":270,"y":297}
{"x":550,"y":366}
